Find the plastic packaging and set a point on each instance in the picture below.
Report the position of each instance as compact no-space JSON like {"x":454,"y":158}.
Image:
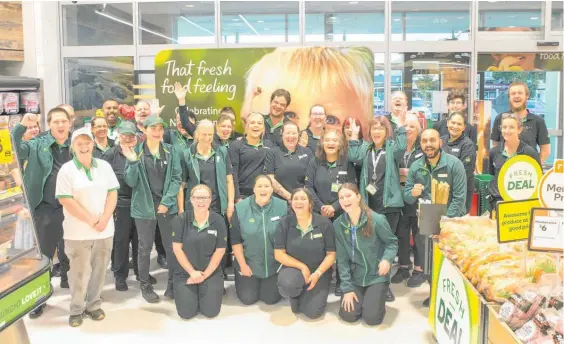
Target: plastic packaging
{"x":29,"y":101}
{"x":11,"y":103}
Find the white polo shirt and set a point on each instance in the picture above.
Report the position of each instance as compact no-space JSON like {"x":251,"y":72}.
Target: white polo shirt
{"x":90,"y":189}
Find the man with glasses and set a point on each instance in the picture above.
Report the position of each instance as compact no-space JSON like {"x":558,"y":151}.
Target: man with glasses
{"x":399,"y":110}
{"x":457,"y":103}
{"x":102,"y":143}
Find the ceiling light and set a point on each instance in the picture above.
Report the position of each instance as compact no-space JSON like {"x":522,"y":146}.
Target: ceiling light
{"x":353,"y":2}
{"x":396,"y":19}
{"x":189,"y":6}
{"x":235,"y":19}
{"x":260,"y":21}
{"x":534,"y":18}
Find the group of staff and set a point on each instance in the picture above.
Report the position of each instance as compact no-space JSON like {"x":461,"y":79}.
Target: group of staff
{"x":286,"y":205}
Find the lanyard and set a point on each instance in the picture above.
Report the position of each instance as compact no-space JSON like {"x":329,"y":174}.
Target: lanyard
{"x":353,"y":241}
{"x":407,"y":157}
{"x":375,"y":160}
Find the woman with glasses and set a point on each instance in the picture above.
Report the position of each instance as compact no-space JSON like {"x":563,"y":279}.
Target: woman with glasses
{"x":253,"y":229}
{"x":458,"y":144}
{"x":199,"y":242}
{"x":366,"y":248}
{"x":305,"y":246}
{"x":249,"y":156}
{"x":310,"y":137}
{"x":102,"y":143}
{"x":289,"y":166}
{"x":511,"y":128}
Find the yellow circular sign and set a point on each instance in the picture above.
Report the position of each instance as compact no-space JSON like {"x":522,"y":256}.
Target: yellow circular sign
{"x":518,"y":178}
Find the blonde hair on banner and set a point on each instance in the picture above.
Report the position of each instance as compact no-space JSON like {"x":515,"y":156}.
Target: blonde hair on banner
{"x":202,"y":123}
{"x":309,"y":73}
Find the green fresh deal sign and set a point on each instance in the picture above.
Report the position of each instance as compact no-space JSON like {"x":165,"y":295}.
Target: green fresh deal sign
{"x":23,"y":299}
{"x":341,"y":79}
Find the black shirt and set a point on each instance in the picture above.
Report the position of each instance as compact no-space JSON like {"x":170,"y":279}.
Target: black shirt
{"x":498,"y":157}
{"x":117,"y":160}
{"x":98,"y":151}
{"x":274,"y":133}
{"x":199,"y":244}
{"x":248,"y":162}
{"x":469,"y":130}
{"x":156,"y":172}
{"x":408,"y":159}
{"x":289,"y":169}
{"x":464,"y":149}
{"x":535,"y":132}
{"x":61,"y":155}
{"x":309,"y":247}
{"x":312,"y":140}
{"x":323,"y":176}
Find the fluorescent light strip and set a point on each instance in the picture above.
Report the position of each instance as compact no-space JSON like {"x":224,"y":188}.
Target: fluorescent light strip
{"x":131,"y":24}
{"x":249,"y":25}
{"x":196,"y":25}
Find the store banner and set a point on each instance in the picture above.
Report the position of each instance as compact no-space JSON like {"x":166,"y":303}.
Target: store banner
{"x":519,"y":62}
{"x":456,"y":310}
{"x":341,"y":79}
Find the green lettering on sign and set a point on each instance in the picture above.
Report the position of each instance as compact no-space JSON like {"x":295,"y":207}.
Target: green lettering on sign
{"x":23,"y":299}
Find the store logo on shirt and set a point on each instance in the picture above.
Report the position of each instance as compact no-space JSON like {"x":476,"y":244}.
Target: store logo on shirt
{"x":252,"y":220}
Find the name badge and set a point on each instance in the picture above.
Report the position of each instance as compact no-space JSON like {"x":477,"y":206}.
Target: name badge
{"x":371,"y":189}
{"x":335,"y":187}
{"x":302,"y":156}
{"x":164,"y":162}
{"x":218,"y":158}
{"x":418,"y":155}
{"x":442,"y":175}
{"x":212,"y":232}
{"x":342,"y":173}
{"x":320,"y":235}
{"x":456,"y":149}
{"x":275,"y":218}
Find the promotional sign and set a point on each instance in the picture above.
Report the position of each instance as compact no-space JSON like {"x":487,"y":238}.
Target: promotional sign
{"x":519,"y":62}
{"x":6,"y":154}
{"x":547,"y":230}
{"x":341,"y":79}
{"x":519,"y":178}
{"x":551,"y":187}
{"x":455,"y":312}
{"x":514,"y":219}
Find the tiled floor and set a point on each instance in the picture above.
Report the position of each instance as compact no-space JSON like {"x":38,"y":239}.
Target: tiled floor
{"x":129,"y":319}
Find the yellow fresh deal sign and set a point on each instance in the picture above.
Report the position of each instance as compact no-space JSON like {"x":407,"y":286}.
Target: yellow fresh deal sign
{"x":514,"y":219}
{"x":519,"y":178}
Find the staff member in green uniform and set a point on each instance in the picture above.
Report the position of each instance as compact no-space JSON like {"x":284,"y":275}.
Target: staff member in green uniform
{"x":200,"y":238}
{"x":249,"y":156}
{"x":366,"y":248}
{"x":511,"y":130}
{"x":154,"y":173}
{"x":253,"y":229}
{"x":456,"y":143}
{"x":380,"y":181}
{"x":289,"y":167}
{"x":305,"y":246}
{"x":45,"y":156}
{"x":310,"y":137}
{"x":110,"y":109}
{"x":102,"y":143}
{"x":399,"y":110}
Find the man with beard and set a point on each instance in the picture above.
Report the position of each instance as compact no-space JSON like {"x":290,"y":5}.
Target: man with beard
{"x":399,"y":110}
{"x":274,"y":121}
{"x":45,"y":156}
{"x":441,"y":166}
{"x":535,"y":132}
{"x":456,"y":102}
{"x":110,"y":108}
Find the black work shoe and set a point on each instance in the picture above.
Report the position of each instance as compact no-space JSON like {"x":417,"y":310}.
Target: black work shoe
{"x":152,"y":279}
{"x":426,"y":302}
{"x":401,"y":275}
{"x":56,"y":270}
{"x":96,"y":315}
{"x":36,"y":313}
{"x":64,"y":282}
{"x":390,"y":296}
{"x":149,"y":294}
{"x":161,"y":260}
{"x":169,"y":292}
{"x":121,"y":284}
{"x":75,"y":320}
{"x":417,"y":279}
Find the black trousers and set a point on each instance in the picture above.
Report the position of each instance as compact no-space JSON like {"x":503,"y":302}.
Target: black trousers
{"x":252,"y":289}
{"x":393,"y":221}
{"x":125,"y":233}
{"x":408,"y":225}
{"x":204,"y":298}
{"x":311,"y":303}
{"x":146,"y":233}
{"x":49,"y":227}
{"x":159,"y":246}
{"x":371,"y":305}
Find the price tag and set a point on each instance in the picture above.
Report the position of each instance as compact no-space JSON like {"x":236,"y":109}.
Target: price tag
{"x":546,"y":230}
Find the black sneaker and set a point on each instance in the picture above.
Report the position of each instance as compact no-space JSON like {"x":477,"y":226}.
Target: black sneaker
{"x":56,"y":270}
{"x":390,"y":296}
{"x":417,"y":279}
{"x":149,"y":294}
{"x":96,"y":315}
{"x":426,"y":302}
{"x":65,"y":282}
{"x":152,"y":279}
{"x":36,"y":313}
{"x":401,"y":275}
{"x":75,"y":320}
{"x":121,"y":284}
{"x":169,"y":292}
{"x":161,"y":260}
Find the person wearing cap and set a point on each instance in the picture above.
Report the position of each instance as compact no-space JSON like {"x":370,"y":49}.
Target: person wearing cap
{"x":126,"y":232}
{"x":102,"y":143}
{"x":45,"y":155}
{"x":87,"y":189}
{"x":154,"y":173}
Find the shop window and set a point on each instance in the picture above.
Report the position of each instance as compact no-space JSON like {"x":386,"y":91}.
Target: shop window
{"x":344,"y":21}
{"x":510,"y":16}
{"x":430,"y":21}
{"x":379,"y":84}
{"x":260,"y":21}
{"x":92,"y":80}
{"x":557,"y":16}
{"x":101,"y":24}
{"x":177,"y":22}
